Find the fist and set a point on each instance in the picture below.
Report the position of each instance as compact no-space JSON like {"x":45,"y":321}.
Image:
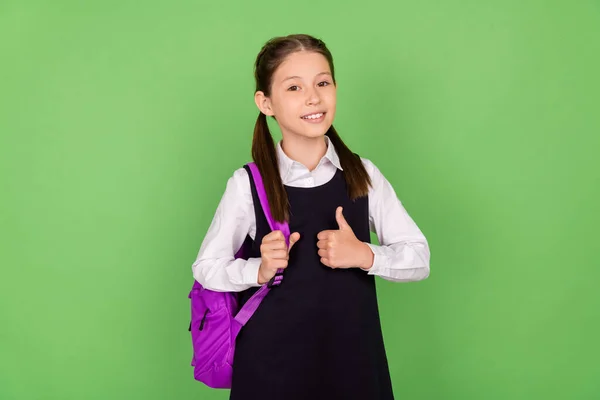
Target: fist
{"x":274,"y":254}
{"x":341,"y":248}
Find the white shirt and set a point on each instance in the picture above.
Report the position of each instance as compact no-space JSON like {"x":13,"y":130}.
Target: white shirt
{"x":402,"y":256}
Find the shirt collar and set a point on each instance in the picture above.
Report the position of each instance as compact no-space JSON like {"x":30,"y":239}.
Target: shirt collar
{"x":286,"y":163}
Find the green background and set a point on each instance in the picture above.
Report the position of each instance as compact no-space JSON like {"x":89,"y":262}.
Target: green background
{"x":121,"y":122}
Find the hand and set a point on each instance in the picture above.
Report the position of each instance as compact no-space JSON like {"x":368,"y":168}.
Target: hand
{"x":274,"y":254}
{"x":341,"y":249}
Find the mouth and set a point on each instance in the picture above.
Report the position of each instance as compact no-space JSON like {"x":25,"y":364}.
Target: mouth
{"x":314,"y":117}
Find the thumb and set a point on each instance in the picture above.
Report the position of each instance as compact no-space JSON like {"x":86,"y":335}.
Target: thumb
{"x":342,"y":223}
{"x":294,"y":237}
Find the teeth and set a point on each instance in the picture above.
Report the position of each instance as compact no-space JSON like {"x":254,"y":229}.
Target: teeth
{"x":313,"y":116}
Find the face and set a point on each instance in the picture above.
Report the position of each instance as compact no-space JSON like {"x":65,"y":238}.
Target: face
{"x":303,"y":96}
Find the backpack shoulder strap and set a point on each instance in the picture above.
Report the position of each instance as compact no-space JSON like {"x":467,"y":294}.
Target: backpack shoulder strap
{"x":253,"y":302}
{"x":264,"y":202}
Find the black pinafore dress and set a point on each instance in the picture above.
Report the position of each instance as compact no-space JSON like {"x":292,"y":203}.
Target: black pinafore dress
{"x":318,"y":334}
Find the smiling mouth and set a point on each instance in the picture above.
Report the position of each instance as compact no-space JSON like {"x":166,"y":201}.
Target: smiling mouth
{"x":314,"y":116}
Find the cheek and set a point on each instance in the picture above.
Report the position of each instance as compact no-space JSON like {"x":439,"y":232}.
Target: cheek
{"x":284,"y":105}
{"x":292,"y":108}
{"x":331,"y":98}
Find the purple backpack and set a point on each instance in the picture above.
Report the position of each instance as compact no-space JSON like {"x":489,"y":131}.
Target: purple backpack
{"x":217,"y":318}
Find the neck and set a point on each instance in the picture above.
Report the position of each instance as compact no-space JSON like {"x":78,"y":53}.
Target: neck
{"x":306,"y":151}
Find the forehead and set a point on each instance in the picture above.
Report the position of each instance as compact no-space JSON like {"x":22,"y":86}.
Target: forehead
{"x":303,"y":64}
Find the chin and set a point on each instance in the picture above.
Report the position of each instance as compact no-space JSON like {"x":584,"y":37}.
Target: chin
{"x":316,"y":133}
{"x":310,"y":132}
{"x":316,"y":130}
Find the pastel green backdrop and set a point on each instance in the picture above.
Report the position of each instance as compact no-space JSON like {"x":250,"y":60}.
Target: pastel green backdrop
{"x":121,"y":122}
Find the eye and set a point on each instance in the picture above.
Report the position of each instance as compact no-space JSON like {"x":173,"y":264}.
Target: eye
{"x":324,"y":83}
{"x":293,"y":88}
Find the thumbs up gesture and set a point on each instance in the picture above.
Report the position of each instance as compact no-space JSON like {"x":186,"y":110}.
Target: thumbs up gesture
{"x":341,"y":248}
{"x":274,"y":254}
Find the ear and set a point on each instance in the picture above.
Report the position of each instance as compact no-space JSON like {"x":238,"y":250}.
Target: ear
{"x":263,"y":103}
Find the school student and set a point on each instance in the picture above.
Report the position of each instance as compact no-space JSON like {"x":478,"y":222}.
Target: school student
{"x":318,"y":334}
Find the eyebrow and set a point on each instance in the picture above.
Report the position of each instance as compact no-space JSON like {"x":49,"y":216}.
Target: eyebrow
{"x":297,"y":77}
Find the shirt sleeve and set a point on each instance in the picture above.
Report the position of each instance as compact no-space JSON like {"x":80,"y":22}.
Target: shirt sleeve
{"x":403,"y":254}
{"x":216,"y":267}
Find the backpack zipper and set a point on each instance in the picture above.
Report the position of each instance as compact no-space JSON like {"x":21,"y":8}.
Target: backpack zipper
{"x":203,"y":319}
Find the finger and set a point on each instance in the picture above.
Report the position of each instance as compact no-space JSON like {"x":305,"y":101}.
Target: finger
{"x":273,"y":236}
{"x":323,"y":253}
{"x":274,"y":265}
{"x":325,"y":262}
{"x":294,"y":237}
{"x":323,"y":244}
{"x":325,"y":235}
{"x":339,"y":216}
{"x":273,"y":245}
{"x":277,"y":254}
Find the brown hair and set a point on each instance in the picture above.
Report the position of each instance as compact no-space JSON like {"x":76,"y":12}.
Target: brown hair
{"x":264,"y":153}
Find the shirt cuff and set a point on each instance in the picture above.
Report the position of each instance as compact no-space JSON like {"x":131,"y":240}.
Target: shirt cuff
{"x":380,"y":260}
{"x":250,"y":272}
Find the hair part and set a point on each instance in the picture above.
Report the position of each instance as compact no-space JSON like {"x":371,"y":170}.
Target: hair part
{"x":264,"y":153}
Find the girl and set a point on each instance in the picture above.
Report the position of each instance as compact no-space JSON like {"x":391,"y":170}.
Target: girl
{"x":318,"y":334}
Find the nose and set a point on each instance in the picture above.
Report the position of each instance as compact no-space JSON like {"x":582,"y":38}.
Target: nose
{"x":312,"y":97}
